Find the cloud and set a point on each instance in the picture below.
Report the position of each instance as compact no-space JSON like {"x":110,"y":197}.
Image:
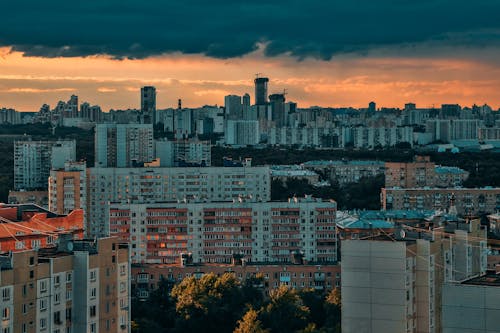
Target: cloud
{"x":37,"y":90}
{"x":233,"y":28}
{"x":106,"y":90}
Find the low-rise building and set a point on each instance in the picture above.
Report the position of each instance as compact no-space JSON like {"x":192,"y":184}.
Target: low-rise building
{"x":24,"y":227}
{"x":344,"y":172}
{"x":40,"y":198}
{"x":468,"y":201}
{"x":146,"y":277}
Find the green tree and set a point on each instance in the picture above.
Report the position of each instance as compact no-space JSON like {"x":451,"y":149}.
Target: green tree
{"x":250,"y":323}
{"x":208,"y":304}
{"x":285,"y":311}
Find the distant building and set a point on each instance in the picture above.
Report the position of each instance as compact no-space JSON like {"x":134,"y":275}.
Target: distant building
{"x":148,"y":104}
{"x":123,"y":145}
{"x":277,"y":102}
{"x":261,"y":90}
{"x":10,"y":116}
{"x":467,"y":200}
{"x":344,"y":172}
{"x":242,"y":132}
{"x":80,"y":286}
{"x":180,"y":153}
{"x":33,"y":161}
{"x":287,"y":172}
{"x":233,"y":107}
{"x":255,"y":231}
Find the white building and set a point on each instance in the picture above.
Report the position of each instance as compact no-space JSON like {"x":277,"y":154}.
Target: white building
{"x":33,"y":161}
{"x":183,"y":152}
{"x":242,"y":132}
{"x":151,"y":185}
{"x":122,"y":145}
{"x":215,"y":231}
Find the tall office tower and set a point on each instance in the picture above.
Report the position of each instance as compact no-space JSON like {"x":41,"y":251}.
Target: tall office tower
{"x":233,"y":106}
{"x":261,"y":90}
{"x":78,"y":286}
{"x":68,"y":188}
{"x":148,"y":104}
{"x":72,"y":107}
{"x":246,"y":100}
{"x":123,"y":145}
{"x":33,"y":161}
{"x":278,"y":109}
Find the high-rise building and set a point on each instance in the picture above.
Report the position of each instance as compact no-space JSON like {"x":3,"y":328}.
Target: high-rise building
{"x":123,"y":145}
{"x":256,"y":231}
{"x":33,"y":161}
{"x":261,"y":90}
{"x":80,"y":286}
{"x":242,"y":132}
{"x":157,"y":184}
{"x":372,"y":107}
{"x":246,"y":100}
{"x":233,"y":107}
{"x":277,"y":102}
{"x":68,"y":188}
{"x":393,"y":283}
{"x":148,"y":104}
{"x":72,"y":107}
{"x":192,"y":152}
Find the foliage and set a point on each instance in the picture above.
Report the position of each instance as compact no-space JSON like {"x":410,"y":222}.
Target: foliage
{"x":250,"y":323}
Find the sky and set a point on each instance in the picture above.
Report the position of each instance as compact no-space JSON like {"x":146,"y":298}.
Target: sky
{"x":326,"y":53}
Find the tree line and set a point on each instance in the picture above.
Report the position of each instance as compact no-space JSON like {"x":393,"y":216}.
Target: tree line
{"x":224,"y":304}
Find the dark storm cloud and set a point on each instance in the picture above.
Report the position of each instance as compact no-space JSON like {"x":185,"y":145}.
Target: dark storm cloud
{"x":231,"y":28}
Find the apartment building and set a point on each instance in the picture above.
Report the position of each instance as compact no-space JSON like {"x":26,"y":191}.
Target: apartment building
{"x":151,"y":185}
{"x":80,"y":286}
{"x":344,"y":171}
{"x":422,"y":172}
{"x":472,"y":201}
{"x":183,"y":153}
{"x":67,"y":188}
{"x":123,"y":145}
{"x":215,"y":232}
{"x":33,"y":161}
{"x":321,"y":277}
{"x":393,"y":282}
{"x":24,"y":227}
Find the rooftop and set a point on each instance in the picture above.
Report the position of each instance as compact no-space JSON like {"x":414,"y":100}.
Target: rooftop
{"x":490,"y":279}
{"x":449,"y":169}
{"x":343,"y":162}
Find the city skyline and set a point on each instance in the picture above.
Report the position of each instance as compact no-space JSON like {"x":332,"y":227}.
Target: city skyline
{"x":340,"y":54}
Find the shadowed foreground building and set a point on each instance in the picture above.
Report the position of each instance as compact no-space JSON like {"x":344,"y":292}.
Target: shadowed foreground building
{"x":80,"y":286}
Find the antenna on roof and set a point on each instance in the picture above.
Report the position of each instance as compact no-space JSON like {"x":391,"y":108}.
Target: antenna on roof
{"x":257,"y":75}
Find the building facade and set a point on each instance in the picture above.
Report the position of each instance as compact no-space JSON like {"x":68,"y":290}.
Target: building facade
{"x":466,"y":200}
{"x":33,"y":161}
{"x":216,"y":232}
{"x":123,"y":145}
{"x":150,"y":185}
{"x":79,"y":288}
{"x":68,"y":188}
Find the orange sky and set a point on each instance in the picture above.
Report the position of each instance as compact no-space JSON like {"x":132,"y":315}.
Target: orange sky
{"x":28,"y":82}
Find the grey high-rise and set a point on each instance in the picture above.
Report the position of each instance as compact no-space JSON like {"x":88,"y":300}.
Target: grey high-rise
{"x":261,"y":90}
{"x":148,"y":104}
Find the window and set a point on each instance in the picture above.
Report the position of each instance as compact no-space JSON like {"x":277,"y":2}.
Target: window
{"x":93,"y":275}
{"x":43,"y":304}
{"x":24,"y":328}
{"x":6,"y":313}
{"x":5,"y":294}
{"x":57,"y":318}
{"x":43,"y":286}
{"x":93,"y":328}
{"x":25,"y":308}
{"x":57,"y":298}
{"x":93,"y":293}
{"x":69,"y":294}
{"x":92,"y":310}
{"x":57,"y":280}
{"x":32,"y":261}
{"x":68,"y":277}
{"x":43,"y":323}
